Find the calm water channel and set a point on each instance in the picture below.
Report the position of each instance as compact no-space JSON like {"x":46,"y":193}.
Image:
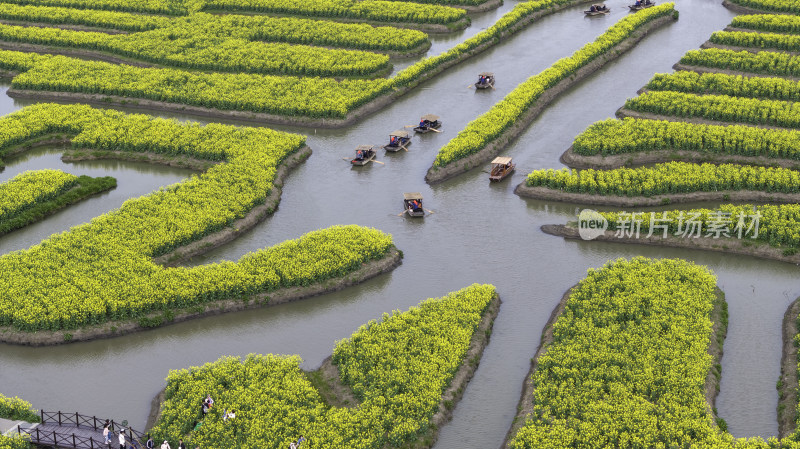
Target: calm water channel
{"x":479,"y":233}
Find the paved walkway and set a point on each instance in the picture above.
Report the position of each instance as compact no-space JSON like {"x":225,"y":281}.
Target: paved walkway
{"x":75,"y":432}
{"x":9,"y":427}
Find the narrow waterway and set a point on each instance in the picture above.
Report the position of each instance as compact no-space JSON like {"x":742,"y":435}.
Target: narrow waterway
{"x":478,"y":233}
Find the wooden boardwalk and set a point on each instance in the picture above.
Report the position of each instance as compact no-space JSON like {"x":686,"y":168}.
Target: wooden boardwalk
{"x":76,"y":431}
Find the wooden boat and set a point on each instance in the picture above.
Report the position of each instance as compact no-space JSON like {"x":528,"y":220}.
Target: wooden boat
{"x":599,"y":9}
{"x":501,"y":168}
{"x":398,"y":140}
{"x":364,"y":155}
{"x":412,"y":204}
{"x":427,"y":123}
{"x":485,"y":80}
{"x":644,"y":4}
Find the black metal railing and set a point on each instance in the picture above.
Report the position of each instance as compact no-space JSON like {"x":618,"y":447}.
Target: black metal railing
{"x":67,"y":439}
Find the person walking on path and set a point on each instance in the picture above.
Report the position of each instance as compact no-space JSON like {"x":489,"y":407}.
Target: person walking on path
{"x":165,"y":445}
{"x":150,"y":444}
{"x":181,"y":445}
{"x":106,"y":435}
{"x":122,"y":439}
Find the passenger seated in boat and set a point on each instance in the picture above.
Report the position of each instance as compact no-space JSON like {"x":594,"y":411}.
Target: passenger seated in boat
{"x":422,"y":124}
{"x":392,"y":141}
{"x":638,"y":3}
{"x":593,"y":8}
{"x":359,"y":155}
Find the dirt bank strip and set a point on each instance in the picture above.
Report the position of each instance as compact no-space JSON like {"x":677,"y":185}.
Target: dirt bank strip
{"x":40,"y":211}
{"x":746,"y":10}
{"x":107,"y":56}
{"x":698,"y":69}
{"x":110,"y":57}
{"x":430,"y":28}
{"x":546,"y":193}
{"x":42,"y":141}
{"x":787,"y":383}
{"x":483,"y":7}
{"x":748,"y":30}
{"x":719,"y":330}
{"x":80,"y":154}
{"x":7,"y":74}
{"x":88,"y":55}
{"x":261,"y":117}
{"x":525,"y":405}
{"x":472,"y":359}
{"x":607,"y":162}
{"x":116,"y":328}
{"x":709,"y":44}
{"x":622,"y":113}
{"x":337,"y":394}
{"x":63,"y":26}
{"x":439,"y":174}
{"x":746,"y":247}
{"x":255,"y":216}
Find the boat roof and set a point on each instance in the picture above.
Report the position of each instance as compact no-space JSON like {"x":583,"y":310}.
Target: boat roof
{"x":430,"y":117}
{"x":486,"y":74}
{"x":501,"y":160}
{"x":412,"y":196}
{"x":399,"y":133}
{"x":364,"y":147}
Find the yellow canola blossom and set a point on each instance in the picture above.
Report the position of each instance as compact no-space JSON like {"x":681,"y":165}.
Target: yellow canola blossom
{"x":398,"y":369}
{"x":103,"y":270}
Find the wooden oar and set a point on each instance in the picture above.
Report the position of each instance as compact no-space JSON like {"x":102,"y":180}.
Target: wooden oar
{"x":404,"y":212}
{"x":401,"y":146}
{"x":377,"y":162}
{"x":346,"y":159}
{"x":470,"y":86}
{"x":430,"y":211}
{"x":434,"y":130}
